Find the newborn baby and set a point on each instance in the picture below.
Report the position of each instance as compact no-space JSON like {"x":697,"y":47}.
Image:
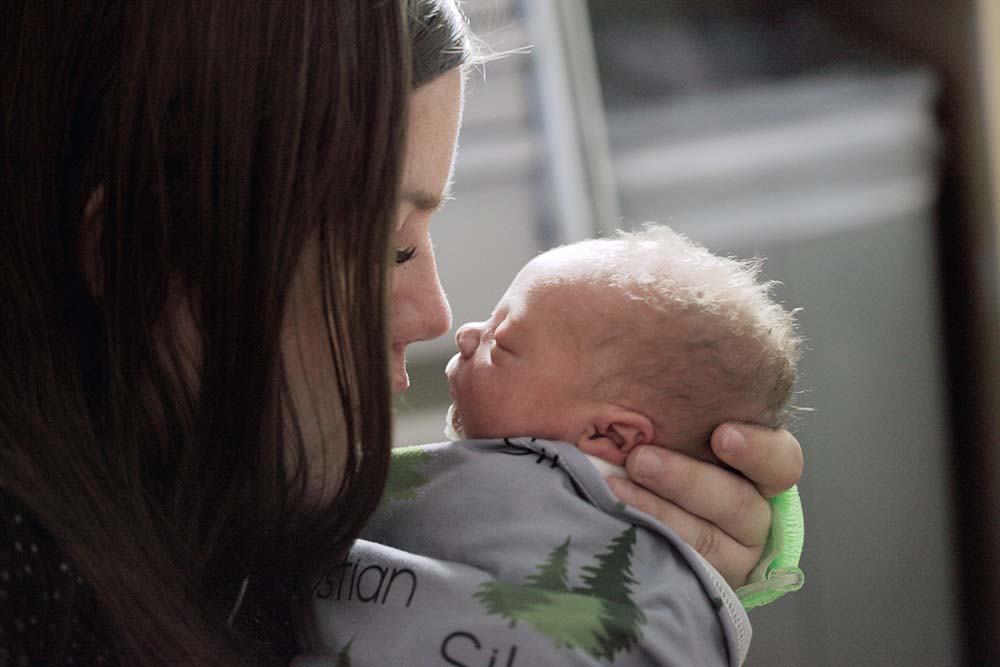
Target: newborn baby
{"x":609,"y":344}
{"x":509,"y":549}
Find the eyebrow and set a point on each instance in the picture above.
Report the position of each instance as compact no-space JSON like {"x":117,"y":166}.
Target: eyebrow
{"x":426,"y":201}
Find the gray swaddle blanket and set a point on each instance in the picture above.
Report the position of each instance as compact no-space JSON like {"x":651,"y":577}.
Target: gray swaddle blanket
{"x":514,"y":553}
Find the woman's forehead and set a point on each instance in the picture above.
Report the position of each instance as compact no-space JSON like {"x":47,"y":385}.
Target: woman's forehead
{"x":434,"y":117}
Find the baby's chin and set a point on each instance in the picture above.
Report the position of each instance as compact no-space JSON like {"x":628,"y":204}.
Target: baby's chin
{"x":453,"y":424}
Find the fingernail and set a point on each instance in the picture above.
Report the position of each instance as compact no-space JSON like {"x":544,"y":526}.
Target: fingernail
{"x":647,"y":462}
{"x":733,"y":442}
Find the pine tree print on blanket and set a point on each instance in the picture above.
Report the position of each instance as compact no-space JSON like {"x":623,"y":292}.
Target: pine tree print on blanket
{"x":598,"y":617}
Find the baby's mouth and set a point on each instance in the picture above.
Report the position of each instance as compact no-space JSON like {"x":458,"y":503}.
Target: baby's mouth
{"x":453,"y":424}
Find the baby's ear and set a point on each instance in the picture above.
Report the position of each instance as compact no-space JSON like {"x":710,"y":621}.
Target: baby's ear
{"x":614,"y":432}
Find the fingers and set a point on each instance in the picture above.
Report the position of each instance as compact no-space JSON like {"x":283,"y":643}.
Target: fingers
{"x":704,"y":490}
{"x":732,"y":559}
{"x":770,"y":459}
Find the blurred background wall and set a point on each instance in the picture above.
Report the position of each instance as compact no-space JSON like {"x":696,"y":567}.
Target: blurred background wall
{"x":855,"y":146}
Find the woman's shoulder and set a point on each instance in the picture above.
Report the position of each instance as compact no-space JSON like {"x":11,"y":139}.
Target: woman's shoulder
{"x":47,"y":613}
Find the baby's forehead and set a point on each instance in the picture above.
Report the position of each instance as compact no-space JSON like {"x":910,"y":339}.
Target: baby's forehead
{"x":568,"y":271}
{"x":563,"y":287}
{"x":589,"y":302}
{"x":576,"y":259}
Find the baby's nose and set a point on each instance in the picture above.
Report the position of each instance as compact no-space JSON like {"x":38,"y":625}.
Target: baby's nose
{"x":467,"y":339}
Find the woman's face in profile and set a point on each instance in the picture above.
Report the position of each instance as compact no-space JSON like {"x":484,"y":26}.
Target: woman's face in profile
{"x":418,"y":307}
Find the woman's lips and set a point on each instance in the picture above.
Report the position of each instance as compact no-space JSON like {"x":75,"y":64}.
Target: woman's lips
{"x":400,"y":381}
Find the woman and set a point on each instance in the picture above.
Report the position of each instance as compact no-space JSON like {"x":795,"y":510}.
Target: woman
{"x":198,"y":202}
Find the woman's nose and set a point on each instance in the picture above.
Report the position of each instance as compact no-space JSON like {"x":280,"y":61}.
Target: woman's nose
{"x":437,"y":312}
{"x":467,"y":339}
{"x":420,"y":309}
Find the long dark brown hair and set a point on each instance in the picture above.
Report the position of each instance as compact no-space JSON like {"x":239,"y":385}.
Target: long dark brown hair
{"x":222,"y":141}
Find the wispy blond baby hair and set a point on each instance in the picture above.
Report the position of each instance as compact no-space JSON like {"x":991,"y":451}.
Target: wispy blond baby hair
{"x":711,"y":332}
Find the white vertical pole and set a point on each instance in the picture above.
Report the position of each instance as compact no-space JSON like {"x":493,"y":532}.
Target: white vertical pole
{"x":584,"y":197}
{"x":591,"y":119}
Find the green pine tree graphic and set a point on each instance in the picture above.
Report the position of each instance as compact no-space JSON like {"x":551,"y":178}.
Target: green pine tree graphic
{"x":510,"y":601}
{"x":404,"y":477}
{"x":598,"y":618}
{"x":551,"y":574}
{"x":610,"y":579}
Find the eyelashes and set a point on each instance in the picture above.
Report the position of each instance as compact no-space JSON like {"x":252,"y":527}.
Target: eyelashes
{"x":404,"y":255}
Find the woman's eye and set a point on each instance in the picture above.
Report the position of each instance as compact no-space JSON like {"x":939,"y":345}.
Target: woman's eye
{"x":405,"y":255}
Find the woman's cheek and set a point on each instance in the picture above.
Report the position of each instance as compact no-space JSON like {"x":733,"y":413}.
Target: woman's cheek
{"x":397,"y":304}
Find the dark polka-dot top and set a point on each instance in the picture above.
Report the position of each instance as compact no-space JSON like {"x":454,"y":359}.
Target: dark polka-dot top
{"x":49,"y":615}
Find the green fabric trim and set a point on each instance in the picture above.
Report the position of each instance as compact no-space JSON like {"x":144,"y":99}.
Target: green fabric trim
{"x":778,"y":571}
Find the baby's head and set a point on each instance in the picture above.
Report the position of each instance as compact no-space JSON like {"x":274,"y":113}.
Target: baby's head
{"x":645,"y":338}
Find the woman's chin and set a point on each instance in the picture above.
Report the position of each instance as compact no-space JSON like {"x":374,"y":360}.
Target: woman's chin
{"x":400,"y":383}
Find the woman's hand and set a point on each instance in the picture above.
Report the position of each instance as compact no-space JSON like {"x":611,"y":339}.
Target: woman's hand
{"x":725,"y":516}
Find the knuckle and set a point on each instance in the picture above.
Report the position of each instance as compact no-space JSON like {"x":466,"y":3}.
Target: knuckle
{"x":685,"y":478}
{"x":753,"y":506}
{"x":746,"y":499}
{"x":707,"y":542}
